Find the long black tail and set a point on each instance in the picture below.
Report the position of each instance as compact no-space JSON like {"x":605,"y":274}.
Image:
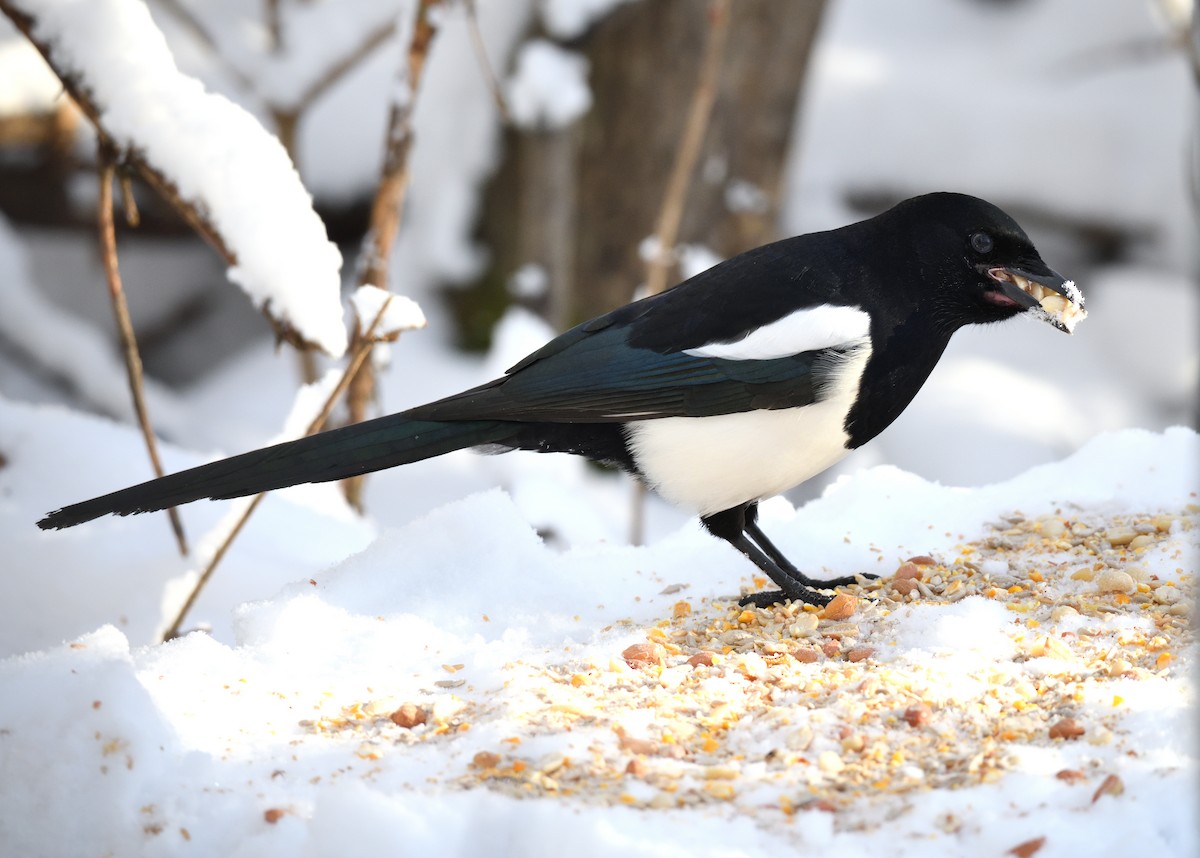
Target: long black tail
{"x":359,"y":449}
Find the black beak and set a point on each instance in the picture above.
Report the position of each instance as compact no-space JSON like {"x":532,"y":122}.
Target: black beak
{"x":1029,"y":285}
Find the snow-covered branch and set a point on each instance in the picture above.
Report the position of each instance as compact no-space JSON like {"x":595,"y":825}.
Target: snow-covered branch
{"x":213,"y":161}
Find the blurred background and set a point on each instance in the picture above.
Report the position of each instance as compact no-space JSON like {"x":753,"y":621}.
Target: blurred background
{"x":545,"y":132}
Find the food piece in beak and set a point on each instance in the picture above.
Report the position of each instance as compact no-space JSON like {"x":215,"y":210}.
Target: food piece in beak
{"x":1043,"y":293}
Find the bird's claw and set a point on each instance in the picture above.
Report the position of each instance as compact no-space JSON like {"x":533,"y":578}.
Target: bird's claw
{"x":767,"y":598}
{"x":847,"y":580}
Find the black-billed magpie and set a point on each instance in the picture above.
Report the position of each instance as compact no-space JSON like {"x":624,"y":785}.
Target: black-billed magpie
{"x":731,"y":387}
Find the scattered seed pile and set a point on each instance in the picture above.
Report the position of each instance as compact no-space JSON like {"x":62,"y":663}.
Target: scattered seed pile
{"x":772,"y":712}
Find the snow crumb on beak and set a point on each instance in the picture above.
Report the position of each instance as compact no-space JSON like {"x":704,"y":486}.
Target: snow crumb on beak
{"x":1064,"y":311}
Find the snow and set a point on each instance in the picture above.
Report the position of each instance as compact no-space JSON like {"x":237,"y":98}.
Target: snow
{"x":1028,"y":109}
{"x":499,"y":593}
{"x":68,"y":346}
{"x":742,"y":196}
{"x":29,"y":85}
{"x":570,"y":19}
{"x":316,"y":38}
{"x":402,"y":313}
{"x":549,"y":89}
{"x":114,"y":745}
{"x":451,"y":148}
{"x":693,"y":258}
{"x":452,"y":159}
{"x":214,"y":152}
{"x":529,"y":282}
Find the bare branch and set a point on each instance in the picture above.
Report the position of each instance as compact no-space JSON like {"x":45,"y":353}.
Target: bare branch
{"x":671,"y":213}
{"x":387,"y":209}
{"x":128,"y":201}
{"x":274,"y":25}
{"x":489,"y":72}
{"x":338,"y":70}
{"x":319,"y":87}
{"x":133,"y":360}
{"x":361,"y":350}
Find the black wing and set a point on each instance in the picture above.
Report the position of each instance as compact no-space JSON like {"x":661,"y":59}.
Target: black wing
{"x":633,"y":364}
{"x":595,"y":375}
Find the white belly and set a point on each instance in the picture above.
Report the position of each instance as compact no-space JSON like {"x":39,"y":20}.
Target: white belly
{"x":710,"y":464}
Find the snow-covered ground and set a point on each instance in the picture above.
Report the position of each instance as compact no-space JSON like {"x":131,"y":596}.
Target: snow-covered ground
{"x":1034,"y":683}
{"x":611,"y":697}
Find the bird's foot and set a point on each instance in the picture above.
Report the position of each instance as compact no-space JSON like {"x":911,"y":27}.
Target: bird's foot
{"x":767,"y":598}
{"x":802,"y":592}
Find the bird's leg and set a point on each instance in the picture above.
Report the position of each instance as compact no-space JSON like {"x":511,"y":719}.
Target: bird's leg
{"x":756,"y":533}
{"x":731,"y":526}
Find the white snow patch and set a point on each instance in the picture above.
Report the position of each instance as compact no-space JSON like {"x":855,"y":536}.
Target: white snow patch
{"x":104,"y":741}
{"x":549,"y":88}
{"x":29,"y":85}
{"x":742,"y":196}
{"x":1053,"y":66}
{"x":204,"y":711}
{"x":696,"y":259}
{"x":974,"y":625}
{"x":529,"y":282}
{"x":518,"y":333}
{"x":71,"y":348}
{"x":402,"y":314}
{"x":569,"y":19}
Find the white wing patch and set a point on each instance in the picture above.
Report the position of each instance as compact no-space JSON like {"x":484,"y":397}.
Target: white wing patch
{"x":713,"y":463}
{"x":805,"y":330}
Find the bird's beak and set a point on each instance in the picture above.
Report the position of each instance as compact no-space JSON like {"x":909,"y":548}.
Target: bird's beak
{"x":1035,"y":287}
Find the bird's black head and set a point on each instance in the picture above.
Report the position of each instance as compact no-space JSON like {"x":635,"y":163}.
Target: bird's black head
{"x":977,"y":265}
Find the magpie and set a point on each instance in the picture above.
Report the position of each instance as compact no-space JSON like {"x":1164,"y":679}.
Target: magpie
{"x":734,"y":386}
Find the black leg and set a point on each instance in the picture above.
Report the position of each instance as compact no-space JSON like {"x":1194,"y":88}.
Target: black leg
{"x":731,"y":525}
{"x":756,"y":533}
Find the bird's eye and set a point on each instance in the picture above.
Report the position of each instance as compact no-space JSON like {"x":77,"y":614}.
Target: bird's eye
{"x":981,"y":242}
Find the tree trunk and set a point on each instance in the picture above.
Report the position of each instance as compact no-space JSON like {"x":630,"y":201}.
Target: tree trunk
{"x":579,"y":201}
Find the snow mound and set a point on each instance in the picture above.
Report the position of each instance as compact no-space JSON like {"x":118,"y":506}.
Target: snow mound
{"x":457,"y":683}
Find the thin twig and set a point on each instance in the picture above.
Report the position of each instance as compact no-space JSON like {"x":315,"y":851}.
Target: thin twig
{"x":361,"y":350}
{"x":274,"y":25}
{"x":671,"y":213}
{"x":489,"y":72}
{"x":387,"y":210}
{"x":287,"y":115}
{"x":128,"y":201}
{"x":347,"y":63}
{"x":173,"y":632}
{"x":334,"y":72}
{"x":129,"y":347}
